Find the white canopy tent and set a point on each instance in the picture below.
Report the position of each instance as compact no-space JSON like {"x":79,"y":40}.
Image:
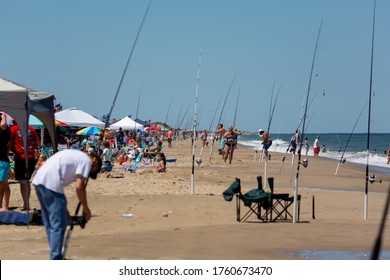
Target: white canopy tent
{"x":76,"y":117}
{"x":126,"y":124}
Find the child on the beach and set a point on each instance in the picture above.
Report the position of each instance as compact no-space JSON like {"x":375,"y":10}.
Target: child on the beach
{"x":106,"y":158}
{"x":161,"y":166}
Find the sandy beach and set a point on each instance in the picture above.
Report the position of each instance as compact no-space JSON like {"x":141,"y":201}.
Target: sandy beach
{"x":170,"y":223}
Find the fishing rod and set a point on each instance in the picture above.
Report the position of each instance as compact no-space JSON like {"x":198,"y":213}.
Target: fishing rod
{"x":136,"y":114}
{"x":127,"y":64}
{"x":271,"y":115}
{"x":184,"y":116}
{"x":234,"y":124}
{"x":195,"y":122}
{"x":299,"y":125}
{"x":272,"y":109}
{"x":369,"y":115}
{"x":220,"y":116}
{"x":75,"y":221}
{"x":179,"y":117}
{"x":166,"y":117}
{"x":378,"y":242}
{"x":199,"y":160}
{"x":139,"y":99}
{"x":342,"y":160}
{"x":303,"y":127}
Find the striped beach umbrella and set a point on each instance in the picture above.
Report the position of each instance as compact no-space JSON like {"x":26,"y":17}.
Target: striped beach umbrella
{"x":89,"y":130}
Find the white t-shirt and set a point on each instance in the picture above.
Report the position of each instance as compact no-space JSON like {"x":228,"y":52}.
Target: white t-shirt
{"x":316,"y":143}
{"x":62,"y":168}
{"x":107,"y":153}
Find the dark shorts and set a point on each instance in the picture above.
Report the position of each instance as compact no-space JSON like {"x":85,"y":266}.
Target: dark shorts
{"x":20,"y":168}
{"x":169,"y":140}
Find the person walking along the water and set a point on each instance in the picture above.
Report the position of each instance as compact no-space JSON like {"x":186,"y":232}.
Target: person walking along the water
{"x":60,"y":170}
{"x":316,"y":146}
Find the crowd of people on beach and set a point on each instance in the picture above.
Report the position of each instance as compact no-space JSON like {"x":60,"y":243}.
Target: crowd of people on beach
{"x":112,"y":147}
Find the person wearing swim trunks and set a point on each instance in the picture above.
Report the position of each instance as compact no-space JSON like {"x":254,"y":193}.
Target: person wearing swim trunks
{"x":267,"y":141}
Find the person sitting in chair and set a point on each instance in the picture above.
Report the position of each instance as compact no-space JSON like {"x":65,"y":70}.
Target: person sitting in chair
{"x":152,"y":153}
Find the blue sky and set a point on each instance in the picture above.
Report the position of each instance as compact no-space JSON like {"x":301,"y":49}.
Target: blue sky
{"x":78,"y":50}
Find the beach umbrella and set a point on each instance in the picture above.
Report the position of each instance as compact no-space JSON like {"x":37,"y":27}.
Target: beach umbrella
{"x":153,"y":128}
{"x":60,"y":123}
{"x":89,"y":130}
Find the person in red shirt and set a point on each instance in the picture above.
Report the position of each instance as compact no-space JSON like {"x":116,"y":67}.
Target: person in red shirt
{"x":17,"y":147}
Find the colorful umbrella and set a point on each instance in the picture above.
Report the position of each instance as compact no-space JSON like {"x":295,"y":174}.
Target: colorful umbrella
{"x":60,"y":123}
{"x":89,"y":130}
{"x":153,"y":128}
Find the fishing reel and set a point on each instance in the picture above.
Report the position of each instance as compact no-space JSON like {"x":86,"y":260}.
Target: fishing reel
{"x":79,"y":221}
{"x":372,"y":179}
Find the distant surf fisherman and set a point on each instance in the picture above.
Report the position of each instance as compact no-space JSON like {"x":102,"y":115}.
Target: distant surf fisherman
{"x":267,"y":141}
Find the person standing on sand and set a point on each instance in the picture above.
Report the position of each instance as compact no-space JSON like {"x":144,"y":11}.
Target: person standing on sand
{"x":17,"y":147}
{"x":267,"y":141}
{"x":231,"y":143}
{"x":203,"y":138}
{"x":388,"y":155}
{"x":5,"y":136}
{"x":307,"y":145}
{"x":59,"y":171}
{"x":316,"y":146}
{"x":219,"y":132}
{"x":170,"y":137}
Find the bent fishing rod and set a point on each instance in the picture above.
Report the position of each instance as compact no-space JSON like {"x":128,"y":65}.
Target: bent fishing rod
{"x":70,"y":231}
{"x":220,"y":116}
{"x":234,"y":124}
{"x":299,"y":125}
{"x":127,"y":65}
{"x":199,"y":160}
{"x":349,"y":139}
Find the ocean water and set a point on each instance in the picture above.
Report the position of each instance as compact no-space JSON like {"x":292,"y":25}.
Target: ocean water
{"x":356,"y":151}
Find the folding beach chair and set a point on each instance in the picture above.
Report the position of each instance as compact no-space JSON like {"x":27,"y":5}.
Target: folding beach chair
{"x":257,"y":200}
{"x":281,"y":204}
{"x":133,"y":166}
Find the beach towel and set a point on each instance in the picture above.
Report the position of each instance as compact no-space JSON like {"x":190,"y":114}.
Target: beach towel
{"x":18,"y":218}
